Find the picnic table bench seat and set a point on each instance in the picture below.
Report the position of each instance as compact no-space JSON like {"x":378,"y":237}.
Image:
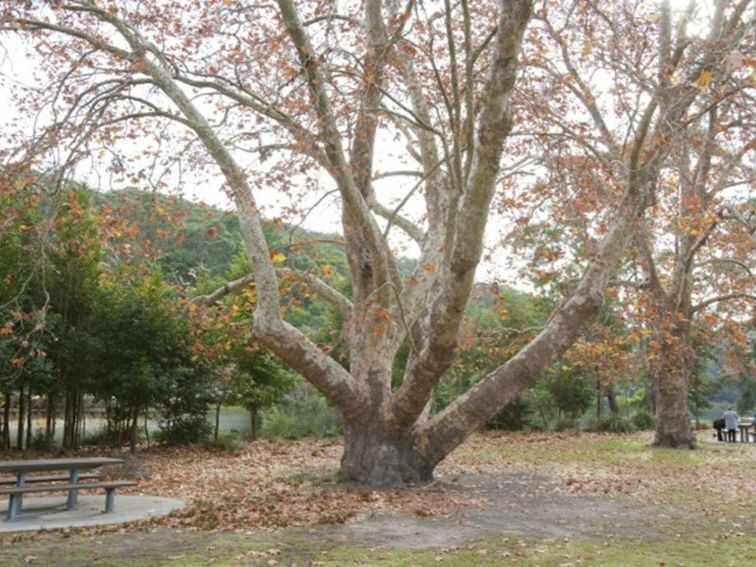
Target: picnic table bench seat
{"x":49,"y":478}
{"x":110,"y":487}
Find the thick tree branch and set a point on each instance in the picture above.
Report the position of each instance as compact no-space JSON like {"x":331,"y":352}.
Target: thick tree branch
{"x":728,"y":297}
{"x":393,"y":217}
{"x":332,"y":296}
{"x":447,"y":429}
{"x":354,"y":200}
{"x":425,"y":367}
{"x":325,"y":291}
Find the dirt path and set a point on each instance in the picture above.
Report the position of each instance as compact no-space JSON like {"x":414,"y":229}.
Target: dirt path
{"x":521,"y":504}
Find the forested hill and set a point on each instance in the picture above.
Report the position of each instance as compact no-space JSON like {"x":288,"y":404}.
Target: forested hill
{"x":191,"y":240}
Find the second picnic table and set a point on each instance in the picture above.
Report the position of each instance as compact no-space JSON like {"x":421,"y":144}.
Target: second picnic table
{"x":744,"y":427}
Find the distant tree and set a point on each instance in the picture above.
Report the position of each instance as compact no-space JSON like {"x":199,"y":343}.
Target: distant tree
{"x":66,"y":283}
{"x":145,"y":357}
{"x":623,"y":97}
{"x":571,"y":391}
{"x":259,"y":382}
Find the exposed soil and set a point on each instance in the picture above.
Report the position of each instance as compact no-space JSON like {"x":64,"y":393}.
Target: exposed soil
{"x":521,"y":504}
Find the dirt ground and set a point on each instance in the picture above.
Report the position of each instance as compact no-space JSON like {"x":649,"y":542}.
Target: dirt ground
{"x":521,"y":504}
{"x":517,"y":504}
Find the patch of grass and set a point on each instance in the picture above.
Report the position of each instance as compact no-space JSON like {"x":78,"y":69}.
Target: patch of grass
{"x":715,"y":478}
{"x":161,"y":548}
{"x":736,"y":550}
{"x":201,"y":549}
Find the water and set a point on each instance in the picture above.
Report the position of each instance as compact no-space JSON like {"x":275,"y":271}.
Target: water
{"x":231,"y":419}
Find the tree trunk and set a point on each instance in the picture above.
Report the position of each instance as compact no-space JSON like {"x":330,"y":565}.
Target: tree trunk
{"x":29,"y":412}
{"x":20,"y":432}
{"x":254,"y":415}
{"x":67,"y":419}
{"x":598,"y":396}
{"x":146,"y":429}
{"x":376,"y":457}
{"x":611,"y":398}
{"x":5,"y":441}
{"x":49,"y":420}
{"x":133,"y":431}
{"x":217,"y":420}
{"x":673,"y":428}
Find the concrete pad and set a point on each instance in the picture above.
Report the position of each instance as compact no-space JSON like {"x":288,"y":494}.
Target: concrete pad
{"x":47,"y":513}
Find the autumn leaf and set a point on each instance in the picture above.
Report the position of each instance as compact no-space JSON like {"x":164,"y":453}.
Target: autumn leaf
{"x":277,"y":257}
{"x":704,"y":80}
{"x":429,"y":268}
{"x":327,"y":270}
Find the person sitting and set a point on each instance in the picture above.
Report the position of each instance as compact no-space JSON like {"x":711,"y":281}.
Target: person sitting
{"x":732,"y":420}
{"x":719,"y":425}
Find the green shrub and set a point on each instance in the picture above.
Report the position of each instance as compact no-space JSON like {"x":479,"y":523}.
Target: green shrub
{"x":571,"y":392}
{"x":183,"y":430}
{"x":565,"y":424}
{"x":643,"y":420}
{"x":100,"y":438}
{"x":514,"y":417}
{"x":542,"y":405}
{"x":230,"y":441}
{"x":105,"y":437}
{"x":610,"y":423}
{"x":303,"y":412}
{"x":41,"y":441}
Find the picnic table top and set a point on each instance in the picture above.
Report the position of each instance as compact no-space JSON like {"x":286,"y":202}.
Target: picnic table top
{"x":29,"y":465}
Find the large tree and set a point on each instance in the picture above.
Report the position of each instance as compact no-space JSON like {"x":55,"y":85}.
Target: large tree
{"x":314,"y":93}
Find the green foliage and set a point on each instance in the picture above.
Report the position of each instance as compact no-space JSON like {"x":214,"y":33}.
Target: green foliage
{"x":303,"y":412}
{"x":642,"y":420}
{"x":516,"y":416}
{"x":747,"y":399}
{"x":258,"y":378}
{"x":189,"y":239}
{"x":702,"y":382}
{"x":747,"y":386}
{"x":542,"y":403}
{"x":183,"y":429}
{"x":571,"y":392}
{"x":229,"y":441}
{"x":498,"y":322}
{"x":610,"y":423}
{"x":562,"y":395}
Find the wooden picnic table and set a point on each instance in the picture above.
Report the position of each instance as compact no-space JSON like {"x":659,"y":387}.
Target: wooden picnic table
{"x":74,"y":466}
{"x":744,"y":427}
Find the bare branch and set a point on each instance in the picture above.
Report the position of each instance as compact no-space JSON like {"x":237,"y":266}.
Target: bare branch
{"x":729,"y":297}
{"x":332,"y":296}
